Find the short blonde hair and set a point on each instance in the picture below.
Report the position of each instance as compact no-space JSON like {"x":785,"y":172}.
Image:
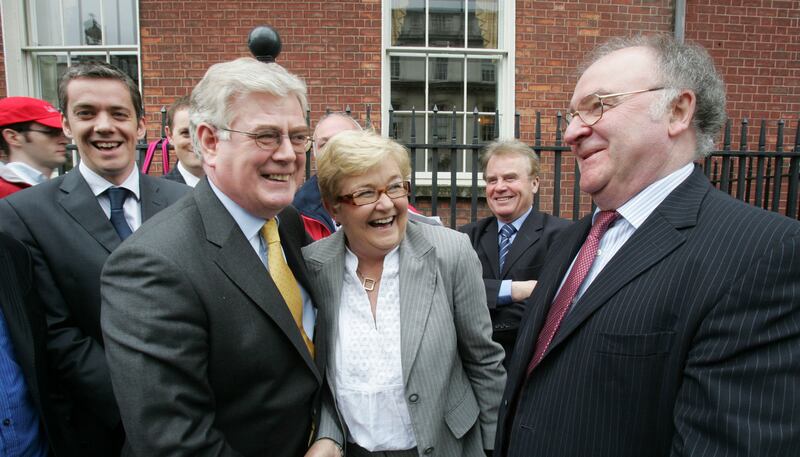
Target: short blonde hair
{"x":504,"y":148}
{"x":354,"y":153}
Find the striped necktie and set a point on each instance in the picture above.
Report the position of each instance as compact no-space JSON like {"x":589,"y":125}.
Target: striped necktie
{"x":506,"y":233}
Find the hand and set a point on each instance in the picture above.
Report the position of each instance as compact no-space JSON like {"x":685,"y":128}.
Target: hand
{"x":324,"y":447}
{"x":520,"y":290}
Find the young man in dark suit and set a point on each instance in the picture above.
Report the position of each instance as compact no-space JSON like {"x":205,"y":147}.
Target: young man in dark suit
{"x":71,"y":224}
{"x":189,"y":167}
{"x":511,"y":244}
{"x":207,"y":317}
{"x":668,"y":322}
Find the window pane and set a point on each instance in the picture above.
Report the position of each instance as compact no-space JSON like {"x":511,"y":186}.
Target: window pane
{"x":119,"y":17}
{"x":486,"y":128}
{"x":482,"y":24}
{"x":446,"y":24}
{"x":128,"y":64}
{"x":50,"y":69}
{"x":408,"y":22}
{"x":401,"y":130}
{"x":48,"y":25}
{"x":127,"y":22}
{"x":440,"y":131}
{"x":72,"y":23}
{"x":482,"y":85}
{"x":408,"y":88}
{"x":91,"y":27}
{"x":446,"y":85}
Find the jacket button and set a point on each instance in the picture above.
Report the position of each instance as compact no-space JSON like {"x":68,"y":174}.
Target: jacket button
{"x":505,"y":402}
{"x":413,"y":398}
{"x":429,"y":451}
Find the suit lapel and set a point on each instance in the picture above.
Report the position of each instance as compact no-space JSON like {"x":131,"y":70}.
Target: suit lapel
{"x":80,"y":203}
{"x":417,"y":287}
{"x":237,"y":260}
{"x":326,"y":263}
{"x":490,"y":246}
{"x":528,"y":234}
{"x":657,"y":237}
{"x":151,"y":199}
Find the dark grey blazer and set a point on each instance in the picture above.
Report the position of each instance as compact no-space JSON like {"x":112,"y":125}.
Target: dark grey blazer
{"x":524,"y":262}
{"x":175,"y":175}
{"x":452,"y":370}
{"x":70,"y":238}
{"x":204,"y":354}
{"x":687,"y":343}
{"x":27,"y":330}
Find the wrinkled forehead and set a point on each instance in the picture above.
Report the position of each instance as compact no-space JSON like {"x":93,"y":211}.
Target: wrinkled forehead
{"x":619,"y":71}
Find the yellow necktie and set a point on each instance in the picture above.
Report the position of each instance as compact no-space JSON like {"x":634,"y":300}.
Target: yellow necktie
{"x":283,"y":278}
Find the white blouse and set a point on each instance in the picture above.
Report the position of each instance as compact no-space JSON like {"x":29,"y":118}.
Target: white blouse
{"x":368,"y":373}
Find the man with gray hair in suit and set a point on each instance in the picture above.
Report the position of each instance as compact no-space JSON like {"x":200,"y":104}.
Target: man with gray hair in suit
{"x":207,"y":316}
{"x":667,"y":323}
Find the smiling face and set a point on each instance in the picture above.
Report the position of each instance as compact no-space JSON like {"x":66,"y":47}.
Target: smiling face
{"x":101,"y":118}
{"x":628,"y":148}
{"x":179,"y":137}
{"x":263,"y":182}
{"x":372,"y":230}
{"x":509,"y":186}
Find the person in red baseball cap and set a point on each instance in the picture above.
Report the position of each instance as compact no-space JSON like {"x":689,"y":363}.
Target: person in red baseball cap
{"x":32,"y":138}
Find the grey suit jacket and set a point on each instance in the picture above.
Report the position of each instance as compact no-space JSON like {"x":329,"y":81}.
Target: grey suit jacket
{"x":451,"y":367}
{"x":69,"y":238}
{"x":687,"y":343}
{"x":204,"y":354}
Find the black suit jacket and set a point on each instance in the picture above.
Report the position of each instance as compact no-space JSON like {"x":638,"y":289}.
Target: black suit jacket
{"x":687,"y":343}
{"x":25,"y":320}
{"x":69,"y":238}
{"x":205,"y":357}
{"x":175,"y":175}
{"x":524,"y":262}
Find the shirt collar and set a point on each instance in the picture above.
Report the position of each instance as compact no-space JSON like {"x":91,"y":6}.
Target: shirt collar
{"x":517,"y":223}
{"x":191,"y":180}
{"x":99,"y":184}
{"x":249,"y":225}
{"x":27,"y":173}
{"x":638,"y":209}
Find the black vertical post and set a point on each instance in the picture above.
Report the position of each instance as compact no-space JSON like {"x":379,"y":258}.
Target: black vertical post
{"x":311,"y":146}
{"x":742,"y":161}
{"x":724,"y":178}
{"x":453,"y":170}
{"x":776,"y":193}
{"x":537,"y":149}
{"x":473,"y":210}
{"x":557,"y":169}
{"x":794,"y":176}
{"x":413,"y":153}
{"x":762,"y":149}
{"x":368,"y":120}
{"x":435,"y":165}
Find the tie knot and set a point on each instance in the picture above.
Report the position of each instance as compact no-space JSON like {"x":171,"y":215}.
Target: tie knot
{"x":602,"y":222}
{"x":508,"y":230}
{"x":270,"y":232}
{"x":117,"y":196}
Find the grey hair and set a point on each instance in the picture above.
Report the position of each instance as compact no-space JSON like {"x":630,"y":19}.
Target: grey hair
{"x":226,"y":82}
{"x":342,"y":115}
{"x":681,"y":66}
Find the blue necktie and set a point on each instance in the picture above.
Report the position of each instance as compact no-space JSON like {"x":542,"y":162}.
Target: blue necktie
{"x":506,"y":233}
{"x":117,"y":196}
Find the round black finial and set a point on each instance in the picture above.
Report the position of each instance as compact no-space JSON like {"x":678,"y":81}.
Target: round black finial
{"x":264,"y":43}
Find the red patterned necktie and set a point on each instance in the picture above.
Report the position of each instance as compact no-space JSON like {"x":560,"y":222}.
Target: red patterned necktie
{"x":576,"y":276}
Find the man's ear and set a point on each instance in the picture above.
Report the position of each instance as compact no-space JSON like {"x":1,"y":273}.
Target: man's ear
{"x":141,"y":128}
{"x":168,"y":133}
{"x":65,"y":126}
{"x":682,"y":112}
{"x":535,"y":184}
{"x":208,"y":143}
{"x":12,"y":137}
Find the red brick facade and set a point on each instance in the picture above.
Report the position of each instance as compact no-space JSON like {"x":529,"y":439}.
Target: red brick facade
{"x":336,"y":47}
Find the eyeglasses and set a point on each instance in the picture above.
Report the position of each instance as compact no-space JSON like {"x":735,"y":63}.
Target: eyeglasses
{"x":367,"y":196}
{"x":270,"y":140}
{"x":52,"y":133}
{"x":590,"y":110}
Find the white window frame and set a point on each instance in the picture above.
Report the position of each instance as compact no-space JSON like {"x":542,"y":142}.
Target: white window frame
{"x":19,"y":27}
{"x":505,"y":79}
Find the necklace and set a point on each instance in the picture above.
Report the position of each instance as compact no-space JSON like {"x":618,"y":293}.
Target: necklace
{"x":367,"y":283}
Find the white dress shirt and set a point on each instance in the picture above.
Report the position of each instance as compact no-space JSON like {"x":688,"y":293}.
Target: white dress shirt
{"x":99,"y":185}
{"x":632,"y":215}
{"x":251,"y":228}
{"x":191,"y":180}
{"x":368,"y":373}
